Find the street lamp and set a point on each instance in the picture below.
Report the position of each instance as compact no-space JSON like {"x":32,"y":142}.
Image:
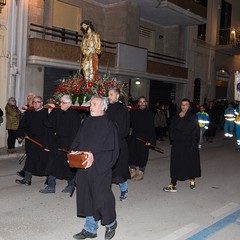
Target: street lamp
{"x":2,"y":2}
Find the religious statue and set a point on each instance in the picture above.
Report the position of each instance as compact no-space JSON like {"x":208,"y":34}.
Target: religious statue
{"x":90,"y":48}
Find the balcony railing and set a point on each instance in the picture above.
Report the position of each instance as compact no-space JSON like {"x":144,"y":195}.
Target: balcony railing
{"x":74,"y":38}
{"x":229,"y":36}
{"x":62,"y":35}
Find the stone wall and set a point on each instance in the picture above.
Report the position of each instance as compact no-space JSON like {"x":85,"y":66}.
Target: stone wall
{"x":36,"y":11}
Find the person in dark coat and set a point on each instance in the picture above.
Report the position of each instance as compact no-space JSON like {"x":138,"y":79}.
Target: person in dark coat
{"x":142,"y":123}
{"x":32,"y":124}
{"x":95,"y":199}
{"x":1,"y":115}
{"x":65,"y":123}
{"x":30,"y":97}
{"x":185,"y":159}
{"x":119,"y":114}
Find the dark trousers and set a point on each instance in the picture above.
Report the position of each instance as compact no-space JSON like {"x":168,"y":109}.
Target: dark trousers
{"x":173,"y":182}
{"x":138,"y":154}
{"x":11,"y":138}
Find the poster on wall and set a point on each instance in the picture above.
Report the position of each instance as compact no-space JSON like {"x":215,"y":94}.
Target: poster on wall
{"x":237,"y":86}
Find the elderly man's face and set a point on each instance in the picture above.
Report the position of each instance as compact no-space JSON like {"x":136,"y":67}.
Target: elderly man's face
{"x":65,"y":104}
{"x":96,"y":109}
{"x":113,"y":96}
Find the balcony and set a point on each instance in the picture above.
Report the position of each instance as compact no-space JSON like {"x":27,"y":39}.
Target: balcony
{"x":228,"y":41}
{"x":169,"y":12}
{"x":60,"y":48}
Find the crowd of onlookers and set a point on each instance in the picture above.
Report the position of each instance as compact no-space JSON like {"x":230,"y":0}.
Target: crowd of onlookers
{"x":215,"y":109}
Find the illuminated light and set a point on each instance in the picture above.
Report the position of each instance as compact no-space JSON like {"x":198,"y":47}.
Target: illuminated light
{"x":137,"y":82}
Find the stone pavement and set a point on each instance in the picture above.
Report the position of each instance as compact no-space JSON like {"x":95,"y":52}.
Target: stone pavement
{"x":211,"y":211}
{"x":5,"y":155}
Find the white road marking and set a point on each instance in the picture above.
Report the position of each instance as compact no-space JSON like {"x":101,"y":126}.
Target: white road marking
{"x":223,"y":210}
{"x":181,"y":232}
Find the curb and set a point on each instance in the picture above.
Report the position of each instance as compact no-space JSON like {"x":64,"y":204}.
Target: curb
{"x":5,"y":155}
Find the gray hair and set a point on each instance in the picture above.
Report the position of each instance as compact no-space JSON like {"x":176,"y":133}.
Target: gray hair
{"x":31,"y":94}
{"x":67,"y":98}
{"x":104,"y":100}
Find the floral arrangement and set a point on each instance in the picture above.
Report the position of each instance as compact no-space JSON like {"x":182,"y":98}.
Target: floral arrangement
{"x":81,"y":90}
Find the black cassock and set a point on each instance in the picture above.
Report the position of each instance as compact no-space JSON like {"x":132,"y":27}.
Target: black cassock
{"x":119,"y":114}
{"x":185,"y":159}
{"x":65,"y":125}
{"x":94,"y":195}
{"x":142,"y":123}
{"x":32,"y":123}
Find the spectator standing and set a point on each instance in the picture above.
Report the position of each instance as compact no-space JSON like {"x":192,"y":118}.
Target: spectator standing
{"x":1,"y":116}
{"x":229,"y":116}
{"x":185,"y":159}
{"x":237,"y":122}
{"x":203,"y":121}
{"x":160,"y":123}
{"x":213,"y":117}
{"x":95,"y":199}
{"x":12,"y":123}
{"x":172,"y":109}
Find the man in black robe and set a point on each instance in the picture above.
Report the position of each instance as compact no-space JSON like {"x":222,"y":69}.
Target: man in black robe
{"x":65,"y":123}
{"x":185,"y":159}
{"x":95,"y":200}
{"x":142,"y":123}
{"x":30,"y":97}
{"x":32,"y":124}
{"x":119,"y":114}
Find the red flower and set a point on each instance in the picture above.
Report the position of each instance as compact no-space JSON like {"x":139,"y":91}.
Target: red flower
{"x":90,"y":84}
{"x":100,"y":92}
{"x":76,"y":91}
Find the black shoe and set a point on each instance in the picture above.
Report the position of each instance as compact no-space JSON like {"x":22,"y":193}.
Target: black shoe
{"x":21,"y":173}
{"x":123,"y":195}
{"x":84,"y":234}
{"x":110,"y":231}
{"x":23,"y":182}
